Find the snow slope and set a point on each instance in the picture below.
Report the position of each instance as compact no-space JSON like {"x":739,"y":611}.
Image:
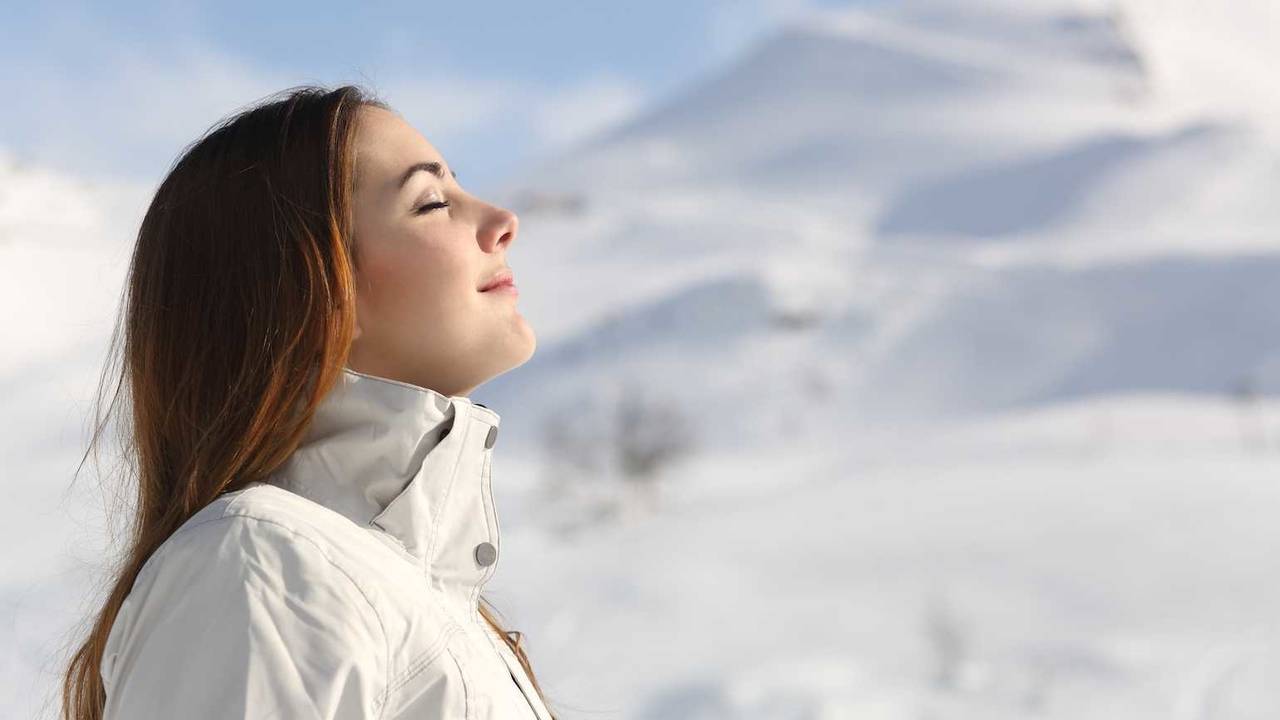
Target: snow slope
{"x":1109,"y":558}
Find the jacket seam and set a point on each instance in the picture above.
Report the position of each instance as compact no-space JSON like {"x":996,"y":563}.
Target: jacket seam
{"x":400,"y":547}
{"x":425,"y":660}
{"x":466,"y":689}
{"x":491,"y":523}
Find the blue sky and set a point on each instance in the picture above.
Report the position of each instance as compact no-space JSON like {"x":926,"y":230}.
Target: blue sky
{"x":117,"y":89}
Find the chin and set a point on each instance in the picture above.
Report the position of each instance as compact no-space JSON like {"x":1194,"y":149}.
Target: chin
{"x":511,"y":353}
{"x":521,"y":343}
{"x":533,"y":346}
{"x":522,"y":349}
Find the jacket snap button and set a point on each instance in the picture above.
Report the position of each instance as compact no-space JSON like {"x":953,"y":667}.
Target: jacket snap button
{"x":486,"y":553}
{"x":492,"y":437}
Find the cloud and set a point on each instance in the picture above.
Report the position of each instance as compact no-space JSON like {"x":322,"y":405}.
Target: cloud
{"x":452,"y":106}
{"x":551,"y":116}
{"x":134,"y":113}
{"x":733,"y":24}
{"x":581,"y":110}
{"x":492,"y":125}
{"x":131,"y":112}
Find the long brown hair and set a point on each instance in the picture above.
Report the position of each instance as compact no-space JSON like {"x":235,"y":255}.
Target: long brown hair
{"x":242,"y":274}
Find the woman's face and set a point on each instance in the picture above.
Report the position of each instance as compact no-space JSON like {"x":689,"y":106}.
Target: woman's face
{"x":424,"y":247}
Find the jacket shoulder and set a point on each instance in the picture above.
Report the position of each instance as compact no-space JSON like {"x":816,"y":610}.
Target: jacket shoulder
{"x":266,"y":514}
{"x":244,"y":609}
{"x":266,"y":538}
{"x":262,"y":521}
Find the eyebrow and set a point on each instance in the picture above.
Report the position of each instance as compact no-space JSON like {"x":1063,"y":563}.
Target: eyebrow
{"x":432,"y":167}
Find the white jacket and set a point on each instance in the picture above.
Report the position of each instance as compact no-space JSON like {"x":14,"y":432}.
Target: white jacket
{"x":344,"y":586}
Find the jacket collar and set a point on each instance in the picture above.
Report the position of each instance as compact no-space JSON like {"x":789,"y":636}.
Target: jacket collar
{"x":410,"y":462}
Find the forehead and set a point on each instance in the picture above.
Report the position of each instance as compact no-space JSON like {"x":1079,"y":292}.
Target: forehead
{"x":386,"y":145}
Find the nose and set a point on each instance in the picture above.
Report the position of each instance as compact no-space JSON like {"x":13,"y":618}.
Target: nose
{"x":499,"y":228}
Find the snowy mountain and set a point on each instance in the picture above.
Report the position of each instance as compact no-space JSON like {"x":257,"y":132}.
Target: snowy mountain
{"x":973,"y":205}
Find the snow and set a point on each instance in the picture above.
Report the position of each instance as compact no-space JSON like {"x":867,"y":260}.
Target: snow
{"x":969,"y":307}
{"x":1093,"y":559}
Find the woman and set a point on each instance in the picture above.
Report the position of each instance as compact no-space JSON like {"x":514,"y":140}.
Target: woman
{"x":310,"y":301}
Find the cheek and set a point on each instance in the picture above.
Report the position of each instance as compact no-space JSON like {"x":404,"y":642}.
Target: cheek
{"x":423,"y":285}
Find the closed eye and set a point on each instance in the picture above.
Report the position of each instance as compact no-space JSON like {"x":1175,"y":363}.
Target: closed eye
{"x":430,"y":206}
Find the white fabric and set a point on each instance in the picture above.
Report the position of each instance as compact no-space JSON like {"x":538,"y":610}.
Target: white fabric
{"x":344,"y":586}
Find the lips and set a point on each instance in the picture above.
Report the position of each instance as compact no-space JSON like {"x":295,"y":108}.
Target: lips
{"x":504,"y":278}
